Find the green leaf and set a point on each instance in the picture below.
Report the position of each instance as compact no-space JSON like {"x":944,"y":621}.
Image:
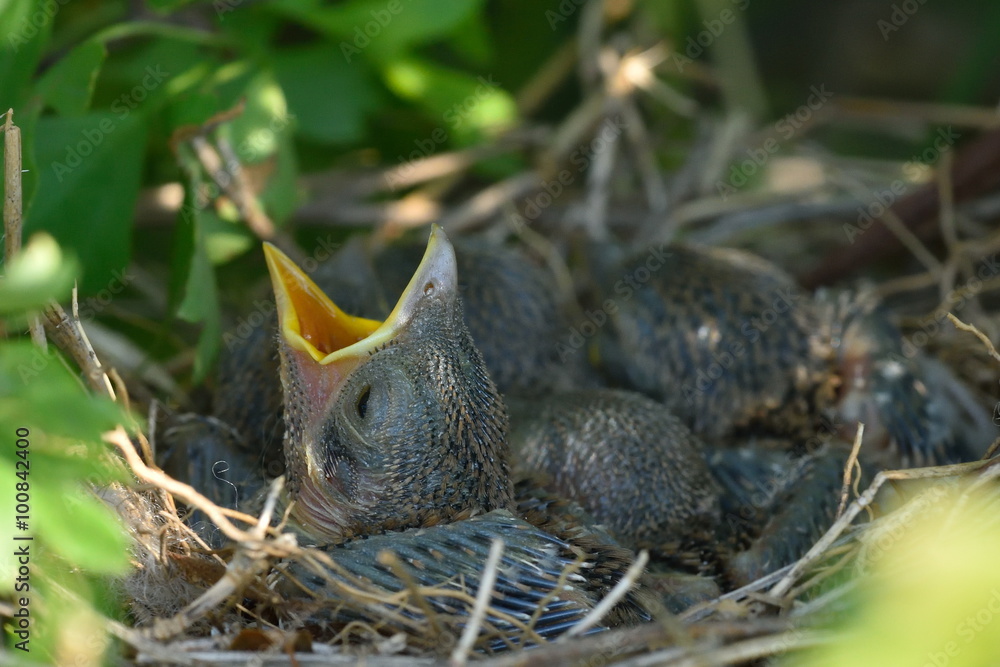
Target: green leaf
{"x":464,"y":106}
{"x":263,"y":132}
{"x":37,"y":389}
{"x":471,"y":40}
{"x":195,"y":277}
{"x":90,"y":170}
{"x":335,"y":111}
{"x":155,"y":71}
{"x":20,"y":54}
{"x":79,"y":528}
{"x":24,"y":41}
{"x":42,"y":402}
{"x":69,"y":84}
{"x":382,"y":29}
{"x":282,"y":197}
{"x":930,"y":591}
{"x":68,"y":461}
{"x":38,"y":274}
{"x":255,"y":134}
{"x":170,"y":5}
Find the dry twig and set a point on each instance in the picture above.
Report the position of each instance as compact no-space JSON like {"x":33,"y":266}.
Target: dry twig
{"x":850,"y":466}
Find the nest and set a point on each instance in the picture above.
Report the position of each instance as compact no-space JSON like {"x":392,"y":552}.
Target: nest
{"x":191,"y":604}
{"x":190,"y":607}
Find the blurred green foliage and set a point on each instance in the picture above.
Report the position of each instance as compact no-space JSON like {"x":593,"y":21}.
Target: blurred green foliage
{"x":59,"y":540}
{"x":99,"y":88}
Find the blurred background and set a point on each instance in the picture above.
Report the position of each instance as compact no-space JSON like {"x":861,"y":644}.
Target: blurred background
{"x":162,"y":141}
{"x":332,"y":110}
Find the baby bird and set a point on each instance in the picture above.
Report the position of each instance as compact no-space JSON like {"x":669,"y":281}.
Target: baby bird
{"x":722,"y":338}
{"x":396,"y":440}
{"x":731,"y":345}
{"x":914,"y":410}
{"x":625,"y":459}
{"x":388,"y":425}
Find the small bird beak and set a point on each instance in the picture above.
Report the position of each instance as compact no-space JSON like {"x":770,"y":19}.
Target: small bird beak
{"x":310,"y":322}
{"x":313,"y":327}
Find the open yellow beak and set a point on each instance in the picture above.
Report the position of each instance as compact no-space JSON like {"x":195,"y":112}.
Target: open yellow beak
{"x":311,"y":323}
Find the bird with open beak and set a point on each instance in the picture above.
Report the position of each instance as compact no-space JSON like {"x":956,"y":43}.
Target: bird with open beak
{"x":389,"y":425}
{"x":395,"y":433}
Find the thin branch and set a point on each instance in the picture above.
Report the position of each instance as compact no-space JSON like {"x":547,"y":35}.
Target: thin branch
{"x":67,"y":333}
{"x":13,"y":209}
{"x":852,"y":462}
{"x":12,"y":186}
{"x":959,"y":324}
{"x":841,"y":524}
{"x":489,"y":200}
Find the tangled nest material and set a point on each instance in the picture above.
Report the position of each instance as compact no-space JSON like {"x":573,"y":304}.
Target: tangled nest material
{"x":192,"y":607}
{"x":787,"y":610}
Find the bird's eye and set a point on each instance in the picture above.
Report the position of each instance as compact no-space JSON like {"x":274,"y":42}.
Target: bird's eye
{"x":362,"y":405}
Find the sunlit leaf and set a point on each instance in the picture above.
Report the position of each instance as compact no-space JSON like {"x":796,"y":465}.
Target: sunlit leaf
{"x":465,"y":105}
{"x":934,"y":595}
{"x":256,"y":132}
{"x":38,"y":274}
{"x":381,"y":29}
{"x":37,"y":389}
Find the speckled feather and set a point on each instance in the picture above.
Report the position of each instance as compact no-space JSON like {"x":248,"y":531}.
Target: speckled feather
{"x":626,"y":459}
{"x":802,"y":509}
{"x":440,"y":448}
{"x":452,"y":557}
{"x":723,"y":338}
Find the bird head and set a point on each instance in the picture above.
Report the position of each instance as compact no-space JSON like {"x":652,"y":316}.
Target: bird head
{"x":392,"y":424}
